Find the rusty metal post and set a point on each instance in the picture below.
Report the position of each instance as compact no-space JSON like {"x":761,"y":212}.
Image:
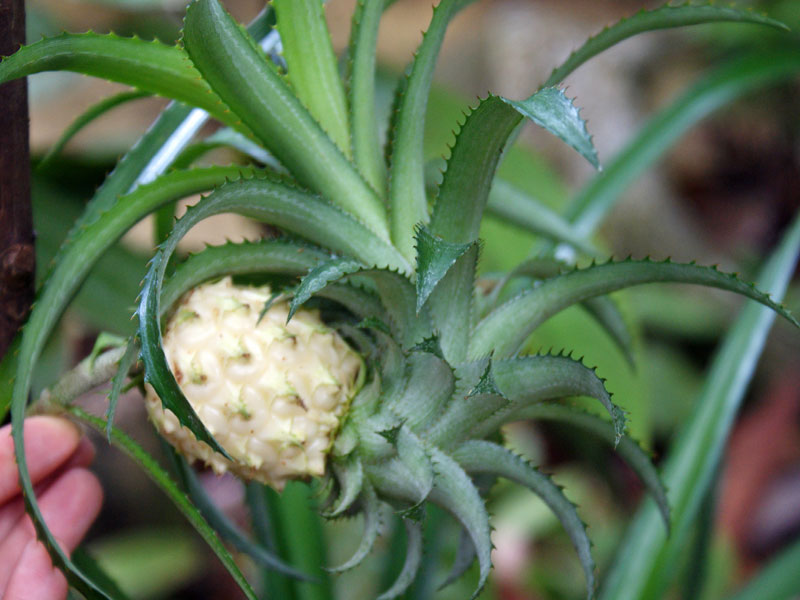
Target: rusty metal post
{"x":17,"y":257}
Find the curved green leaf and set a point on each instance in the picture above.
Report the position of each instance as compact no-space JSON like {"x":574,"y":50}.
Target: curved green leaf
{"x":479,"y":456}
{"x":465,"y":556}
{"x":411,"y":563}
{"x":646,"y":557}
{"x":506,"y":328}
{"x":262,"y":256}
{"x":528,"y":380}
{"x":464,"y":190}
{"x":149,"y":66}
{"x":239,"y":72}
{"x":454,"y":491}
{"x":87,"y":117}
{"x":664,"y":17}
{"x":372,"y":520}
{"x":435,"y":257}
{"x":408,"y":205}
{"x":162,"y":479}
{"x":602,"y":308}
{"x":350,"y":475}
{"x":319,"y":277}
{"x":628,"y":449}
{"x":550,"y":109}
{"x":451,"y":306}
{"x":313,"y":68}
{"x":361,"y":92}
{"x":714,"y":90}
{"x":126,"y":363}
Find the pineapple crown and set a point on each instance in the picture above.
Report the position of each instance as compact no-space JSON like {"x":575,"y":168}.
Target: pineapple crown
{"x":445,"y":357}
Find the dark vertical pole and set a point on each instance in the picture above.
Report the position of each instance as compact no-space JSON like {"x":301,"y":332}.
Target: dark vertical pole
{"x":17,"y":259}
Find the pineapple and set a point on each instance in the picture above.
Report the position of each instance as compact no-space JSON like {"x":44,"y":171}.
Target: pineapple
{"x":272,"y":393}
{"x":409,"y":408}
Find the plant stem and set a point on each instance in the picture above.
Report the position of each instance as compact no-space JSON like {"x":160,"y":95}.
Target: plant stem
{"x":17,"y":255}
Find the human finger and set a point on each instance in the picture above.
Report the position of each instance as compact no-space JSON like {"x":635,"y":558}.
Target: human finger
{"x":49,"y":442}
{"x":34,"y":577}
{"x":69,"y":506}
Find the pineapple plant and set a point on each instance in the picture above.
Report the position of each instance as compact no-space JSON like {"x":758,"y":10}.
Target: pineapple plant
{"x":399,"y":396}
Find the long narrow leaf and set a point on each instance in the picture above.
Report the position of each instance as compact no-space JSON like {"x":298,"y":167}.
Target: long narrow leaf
{"x":239,"y":73}
{"x":778,"y":580}
{"x":714,"y":90}
{"x":647,"y":557}
{"x":407,"y":201}
{"x":361,"y":92}
{"x":506,"y":328}
{"x":87,"y":117}
{"x":664,"y":17}
{"x":312,"y":64}
{"x":149,"y":66}
{"x":162,"y":479}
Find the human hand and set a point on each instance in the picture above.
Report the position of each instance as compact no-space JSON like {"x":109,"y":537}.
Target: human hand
{"x":69,"y":498}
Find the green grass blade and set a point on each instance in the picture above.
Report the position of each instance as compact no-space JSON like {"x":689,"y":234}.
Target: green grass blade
{"x":714,"y":90}
{"x":664,"y":17}
{"x":407,"y":201}
{"x":87,"y":117}
{"x":367,"y":152}
{"x":239,"y":72}
{"x":149,"y":66}
{"x":778,"y":580}
{"x":162,"y":479}
{"x":313,"y":67}
{"x":647,"y":556}
{"x":505,"y":329}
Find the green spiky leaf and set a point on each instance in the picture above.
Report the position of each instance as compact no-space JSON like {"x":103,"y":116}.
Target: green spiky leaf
{"x":372,"y":519}
{"x":646,"y":556}
{"x":152,"y":67}
{"x":550,"y":109}
{"x":435,"y":257}
{"x":312,"y":65}
{"x":478,"y":456}
{"x":502,"y":333}
{"x":239,"y":72}
{"x":663,"y":17}
{"x":411,"y":563}
{"x":319,"y":277}
{"x":627,"y":448}
{"x":407,"y":200}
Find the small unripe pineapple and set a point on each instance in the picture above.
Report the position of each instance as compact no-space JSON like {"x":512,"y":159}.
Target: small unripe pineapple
{"x":271,"y":393}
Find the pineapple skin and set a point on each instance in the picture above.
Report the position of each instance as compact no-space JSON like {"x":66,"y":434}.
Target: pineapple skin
{"x":272,"y":394}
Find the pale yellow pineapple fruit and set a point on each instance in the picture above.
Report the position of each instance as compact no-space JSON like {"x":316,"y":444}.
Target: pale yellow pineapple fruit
{"x":271,"y":393}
